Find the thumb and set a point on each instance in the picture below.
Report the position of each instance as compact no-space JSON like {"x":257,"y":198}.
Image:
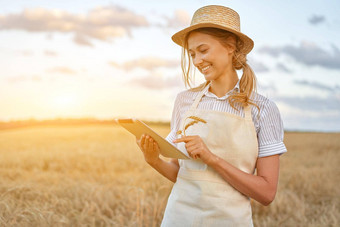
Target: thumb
{"x":138,"y":141}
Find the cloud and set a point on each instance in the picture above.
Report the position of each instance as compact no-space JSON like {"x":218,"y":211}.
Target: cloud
{"x":316,"y":19}
{"x":312,"y":103}
{"x":309,"y":121}
{"x":148,"y":63}
{"x":317,"y":85}
{"x":267,"y":87}
{"x":26,"y":53}
{"x":50,"y":53}
{"x":311,"y":112}
{"x":258,"y":67}
{"x":156,"y":81}
{"x":101,"y":23}
{"x":283,"y":68}
{"x":23,"y":78}
{"x":181,"y":18}
{"x":308,"y":54}
{"x":62,"y":70}
{"x":82,"y":40}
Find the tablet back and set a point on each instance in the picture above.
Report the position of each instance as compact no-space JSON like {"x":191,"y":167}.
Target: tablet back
{"x":138,"y":128}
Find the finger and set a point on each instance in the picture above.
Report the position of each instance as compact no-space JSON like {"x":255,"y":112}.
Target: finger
{"x":146,"y":144}
{"x":184,"y":139}
{"x":155,"y":146}
{"x":192,"y":143}
{"x":195,"y":154}
{"x":142,"y":140}
{"x":150,"y":145}
{"x":192,"y":147}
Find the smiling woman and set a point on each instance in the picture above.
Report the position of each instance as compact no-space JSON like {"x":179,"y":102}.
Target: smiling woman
{"x":240,"y":131}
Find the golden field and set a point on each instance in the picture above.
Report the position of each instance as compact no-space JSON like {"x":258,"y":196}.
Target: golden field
{"x":95,"y":175}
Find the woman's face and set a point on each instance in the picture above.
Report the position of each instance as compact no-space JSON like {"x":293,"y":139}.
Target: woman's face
{"x":209,"y":56}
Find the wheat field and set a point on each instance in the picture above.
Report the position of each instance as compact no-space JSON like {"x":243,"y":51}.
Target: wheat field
{"x":95,"y":175}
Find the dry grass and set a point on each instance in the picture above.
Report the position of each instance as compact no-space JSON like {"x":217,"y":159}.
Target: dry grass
{"x":96,"y":176}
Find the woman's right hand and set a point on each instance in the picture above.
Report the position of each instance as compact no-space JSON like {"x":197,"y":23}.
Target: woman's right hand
{"x":149,"y":148}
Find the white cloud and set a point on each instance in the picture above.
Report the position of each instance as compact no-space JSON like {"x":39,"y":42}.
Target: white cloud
{"x":23,"y":78}
{"x":156,"y":81}
{"x":308,"y":54}
{"x":148,"y":63}
{"x":258,"y":67}
{"x":50,"y":53}
{"x":283,"y":68}
{"x":318,"y":85}
{"x":101,"y":23}
{"x":313,"y":103}
{"x":181,"y":18}
{"x":62,"y":70}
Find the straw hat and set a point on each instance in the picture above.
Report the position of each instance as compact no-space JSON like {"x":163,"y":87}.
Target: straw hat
{"x":217,"y":17}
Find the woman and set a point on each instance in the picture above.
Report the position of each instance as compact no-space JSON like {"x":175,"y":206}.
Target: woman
{"x":225,"y":126}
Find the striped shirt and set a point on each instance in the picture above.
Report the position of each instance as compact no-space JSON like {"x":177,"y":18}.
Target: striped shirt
{"x":268,"y":124}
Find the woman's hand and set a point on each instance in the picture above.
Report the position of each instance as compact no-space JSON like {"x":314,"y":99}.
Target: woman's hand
{"x":149,"y":148}
{"x":196,"y":148}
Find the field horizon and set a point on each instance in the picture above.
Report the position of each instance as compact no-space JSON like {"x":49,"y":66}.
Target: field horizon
{"x":32,"y":122}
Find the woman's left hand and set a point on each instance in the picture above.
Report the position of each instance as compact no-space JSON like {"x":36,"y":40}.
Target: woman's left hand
{"x":196,"y":148}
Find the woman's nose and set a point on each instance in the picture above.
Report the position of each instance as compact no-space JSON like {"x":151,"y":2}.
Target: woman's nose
{"x":197,"y":60}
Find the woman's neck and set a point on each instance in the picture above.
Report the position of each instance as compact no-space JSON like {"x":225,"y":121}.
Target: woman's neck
{"x":224,"y":84}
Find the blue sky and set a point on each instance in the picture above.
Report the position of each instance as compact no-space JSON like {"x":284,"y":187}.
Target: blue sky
{"x":108,"y":59}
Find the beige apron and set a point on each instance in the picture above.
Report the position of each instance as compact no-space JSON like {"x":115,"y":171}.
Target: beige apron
{"x":200,"y":196}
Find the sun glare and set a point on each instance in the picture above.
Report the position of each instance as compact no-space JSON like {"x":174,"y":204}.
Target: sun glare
{"x":64,"y":101}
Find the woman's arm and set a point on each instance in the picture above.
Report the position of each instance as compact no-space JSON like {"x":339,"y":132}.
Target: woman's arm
{"x":167,"y":169}
{"x":150,"y":150}
{"x":261,"y":187}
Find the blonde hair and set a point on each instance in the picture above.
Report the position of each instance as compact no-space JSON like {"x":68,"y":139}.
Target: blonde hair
{"x":248,"y":80}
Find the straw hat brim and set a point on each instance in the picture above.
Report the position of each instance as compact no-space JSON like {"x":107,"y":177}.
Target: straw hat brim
{"x":179,"y":36}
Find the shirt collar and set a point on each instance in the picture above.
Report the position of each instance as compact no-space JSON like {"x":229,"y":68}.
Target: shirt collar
{"x":212,"y":95}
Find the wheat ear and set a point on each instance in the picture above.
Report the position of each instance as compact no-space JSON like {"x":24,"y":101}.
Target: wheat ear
{"x":198,"y":119}
{"x":189,"y":124}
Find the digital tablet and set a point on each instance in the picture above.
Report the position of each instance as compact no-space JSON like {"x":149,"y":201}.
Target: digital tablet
{"x":138,"y":128}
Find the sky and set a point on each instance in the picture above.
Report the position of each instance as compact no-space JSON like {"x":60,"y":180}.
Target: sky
{"x":107,"y":59}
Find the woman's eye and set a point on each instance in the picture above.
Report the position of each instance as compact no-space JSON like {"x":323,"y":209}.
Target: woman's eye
{"x":205,"y":50}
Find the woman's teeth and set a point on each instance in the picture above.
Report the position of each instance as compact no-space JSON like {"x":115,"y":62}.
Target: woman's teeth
{"x":205,"y":68}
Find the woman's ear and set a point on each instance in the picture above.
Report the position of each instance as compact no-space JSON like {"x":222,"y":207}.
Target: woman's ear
{"x":231,"y":44}
{"x":231,"y":49}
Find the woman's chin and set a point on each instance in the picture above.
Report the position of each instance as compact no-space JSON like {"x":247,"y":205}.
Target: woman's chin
{"x":208,"y":77}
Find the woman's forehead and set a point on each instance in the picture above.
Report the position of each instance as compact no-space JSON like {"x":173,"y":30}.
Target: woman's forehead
{"x":198,"y":39}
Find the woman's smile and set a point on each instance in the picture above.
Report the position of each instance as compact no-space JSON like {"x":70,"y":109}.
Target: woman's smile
{"x":205,"y":69}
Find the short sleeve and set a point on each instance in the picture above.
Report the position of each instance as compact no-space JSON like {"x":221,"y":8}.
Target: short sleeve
{"x":271,"y":132}
{"x":174,"y":124}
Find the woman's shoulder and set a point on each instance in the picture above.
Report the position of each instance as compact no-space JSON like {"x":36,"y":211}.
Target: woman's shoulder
{"x":264,"y":103}
{"x":191,"y":93}
{"x":185,"y":97}
{"x":188,"y":94}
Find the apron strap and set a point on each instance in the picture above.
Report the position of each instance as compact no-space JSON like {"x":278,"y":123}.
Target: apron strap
{"x":247,"y":112}
{"x":198,"y":98}
{"x":246,"y":109}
